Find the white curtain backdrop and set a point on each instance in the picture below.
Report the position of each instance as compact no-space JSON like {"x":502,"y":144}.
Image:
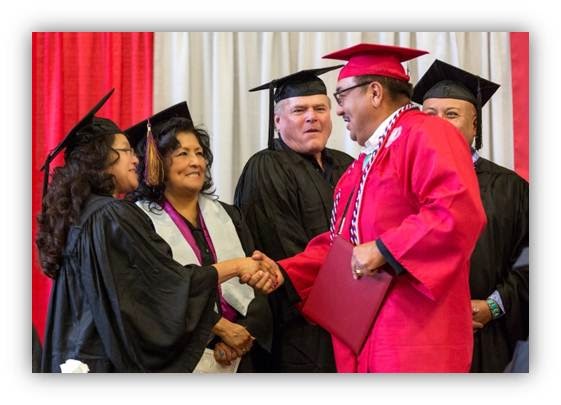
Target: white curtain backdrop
{"x":213,"y":71}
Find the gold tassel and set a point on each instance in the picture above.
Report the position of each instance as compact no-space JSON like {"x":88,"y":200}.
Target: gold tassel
{"x":153,"y":167}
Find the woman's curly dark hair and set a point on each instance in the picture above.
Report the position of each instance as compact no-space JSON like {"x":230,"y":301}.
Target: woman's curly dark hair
{"x":166,"y":140}
{"x":71,"y":185}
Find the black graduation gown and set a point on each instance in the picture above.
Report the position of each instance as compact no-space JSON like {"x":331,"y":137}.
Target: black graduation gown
{"x":287,"y":200}
{"x":120,"y":303}
{"x":505,"y":199}
{"x":36,"y":353}
{"x":259,"y":319}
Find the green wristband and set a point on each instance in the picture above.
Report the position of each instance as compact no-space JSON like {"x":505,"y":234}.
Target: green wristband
{"x":494,"y":308}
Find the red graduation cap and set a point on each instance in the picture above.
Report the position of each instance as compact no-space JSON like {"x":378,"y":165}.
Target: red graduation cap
{"x":375,"y":59}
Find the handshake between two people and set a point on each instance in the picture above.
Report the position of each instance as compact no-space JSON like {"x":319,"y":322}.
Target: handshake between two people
{"x":264,"y":275}
{"x":260,"y":272}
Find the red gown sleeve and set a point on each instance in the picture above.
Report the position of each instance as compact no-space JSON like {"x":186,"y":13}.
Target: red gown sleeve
{"x":435,"y":167}
{"x":304,"y":267}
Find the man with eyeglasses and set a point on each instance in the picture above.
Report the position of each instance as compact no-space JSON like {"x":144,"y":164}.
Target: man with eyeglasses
{"x":413,"y":211}
{"x":285,"y":193}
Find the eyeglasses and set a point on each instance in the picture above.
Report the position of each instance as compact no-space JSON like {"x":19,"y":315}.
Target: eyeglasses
{"x":129,"y":151}
{"x":337,"y":94}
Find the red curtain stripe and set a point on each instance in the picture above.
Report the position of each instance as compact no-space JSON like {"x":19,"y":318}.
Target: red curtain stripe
{"x":71,"y":71}
{"x":519,"y":54}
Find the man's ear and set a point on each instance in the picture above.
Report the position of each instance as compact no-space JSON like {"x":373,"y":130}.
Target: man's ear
{"x":474,"y":128}
{"x":376,"y":93}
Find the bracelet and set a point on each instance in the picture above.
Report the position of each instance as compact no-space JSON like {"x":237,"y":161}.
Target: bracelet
{"x":494,"y":308}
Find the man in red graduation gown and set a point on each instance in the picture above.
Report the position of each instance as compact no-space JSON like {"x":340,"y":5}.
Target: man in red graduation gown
{"x":414,"y":210}
{"x":499,"y":292}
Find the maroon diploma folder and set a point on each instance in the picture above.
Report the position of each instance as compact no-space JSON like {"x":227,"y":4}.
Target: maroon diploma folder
{"x":343,"y":306}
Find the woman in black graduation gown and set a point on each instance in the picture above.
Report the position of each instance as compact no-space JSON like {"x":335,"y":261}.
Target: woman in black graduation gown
{"x":200,"y":229}
{"x":119,"y":302}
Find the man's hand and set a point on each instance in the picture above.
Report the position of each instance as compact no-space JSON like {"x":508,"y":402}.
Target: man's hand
{"x":481,"y":314}
{"x":366,"y":260}
{"x":272,"y":267}
{"x":268,"y":276}
{"x":257,"y":274}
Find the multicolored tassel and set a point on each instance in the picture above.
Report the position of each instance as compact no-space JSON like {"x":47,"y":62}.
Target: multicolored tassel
{"x":153,"y":168}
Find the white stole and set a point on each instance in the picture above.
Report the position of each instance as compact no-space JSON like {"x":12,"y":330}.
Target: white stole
{"x":224,"y":238}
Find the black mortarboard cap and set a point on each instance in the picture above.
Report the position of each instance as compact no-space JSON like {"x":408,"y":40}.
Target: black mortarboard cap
{"x":137,"y":133}
{"x":299,"y":84}
{"x":443,"y":80}
{"x":87,"y":129}
{"x":149,"y":131}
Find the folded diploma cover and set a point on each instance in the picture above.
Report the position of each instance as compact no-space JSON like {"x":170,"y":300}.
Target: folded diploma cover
{"x":343,"y":306}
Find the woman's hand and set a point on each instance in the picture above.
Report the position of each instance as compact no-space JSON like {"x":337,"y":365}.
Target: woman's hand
{"x":259,"y":274}
{"x":272,"y":267}
{"x":268,"y":276}
{"x":234,"y":335}
{"x":224,"y":354}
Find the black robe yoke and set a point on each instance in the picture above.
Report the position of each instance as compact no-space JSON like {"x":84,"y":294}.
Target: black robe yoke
{"x":259,"y":319}
{"x":287,"y":199}
{"x":120,"y":303}
{"x":505,"y":199}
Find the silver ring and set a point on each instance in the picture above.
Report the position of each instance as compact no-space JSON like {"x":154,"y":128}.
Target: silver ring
{"x":357,"y":272}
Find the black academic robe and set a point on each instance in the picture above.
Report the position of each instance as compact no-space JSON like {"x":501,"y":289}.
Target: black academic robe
{"x":505,"y":199}
{"x":120,"y":303}
{"x":287,"y":199}
{"x":259,"y":319}
{"x":36,"y":353}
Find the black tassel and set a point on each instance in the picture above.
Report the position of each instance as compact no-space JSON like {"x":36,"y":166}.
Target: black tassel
{"x":478,"y":136}
{"x":271,"y":116}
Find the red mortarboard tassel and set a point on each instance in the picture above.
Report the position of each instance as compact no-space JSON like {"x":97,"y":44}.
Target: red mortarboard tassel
{"x":153,"y":167}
